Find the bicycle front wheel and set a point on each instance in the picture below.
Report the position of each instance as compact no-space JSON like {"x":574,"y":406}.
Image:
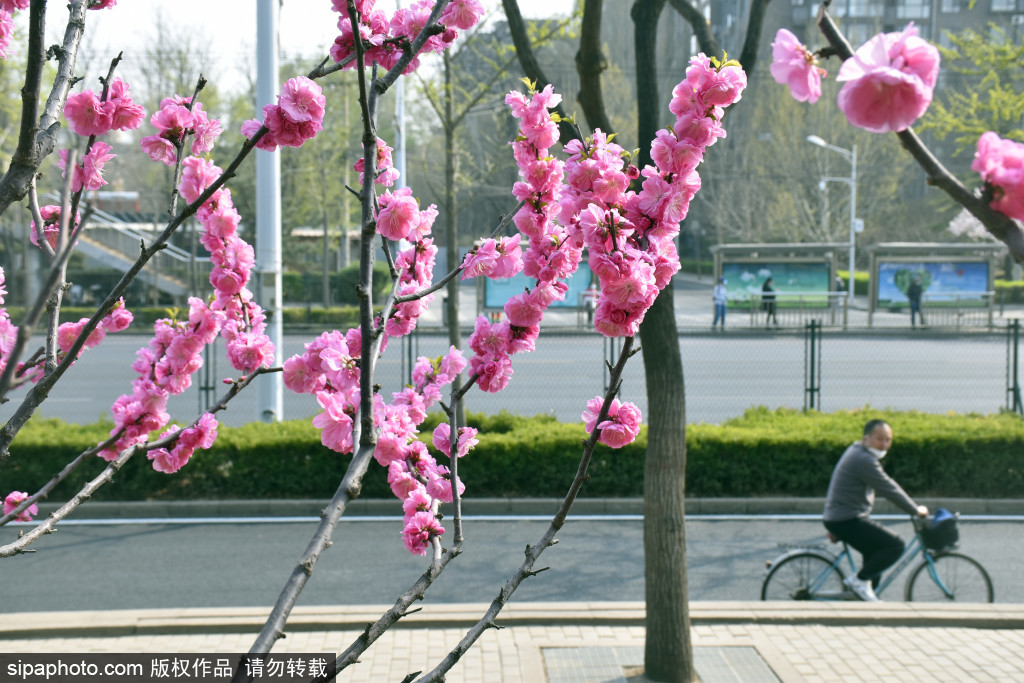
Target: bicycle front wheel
{"x":962,"y":576}
{"x":803,"y":576}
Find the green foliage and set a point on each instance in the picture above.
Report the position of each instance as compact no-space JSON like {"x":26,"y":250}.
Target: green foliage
{"x":861,"y":281}
{"x":1010,"y":291}
{"x":763,"y":453}
{"x":299,"y":287}
{"x":988,"y":72}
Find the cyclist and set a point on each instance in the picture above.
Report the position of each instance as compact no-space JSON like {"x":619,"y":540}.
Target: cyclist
{"x":851,"y":495}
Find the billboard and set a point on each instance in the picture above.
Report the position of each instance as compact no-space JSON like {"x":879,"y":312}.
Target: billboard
{"x":745,"y":279}
{"x":940,"y":280}
{"x":497,"y":292}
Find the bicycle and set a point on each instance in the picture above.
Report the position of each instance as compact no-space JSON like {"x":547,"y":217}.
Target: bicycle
{"x":815,"y":573}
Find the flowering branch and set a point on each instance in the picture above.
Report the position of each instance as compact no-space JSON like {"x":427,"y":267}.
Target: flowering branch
{"x":548,"y":539}
{"x":48,"y":526}
{"x":978,"y":204}
{"x":59,"y":477}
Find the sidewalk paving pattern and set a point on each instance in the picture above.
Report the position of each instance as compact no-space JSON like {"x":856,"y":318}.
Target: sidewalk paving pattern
{"x":743,"y":642}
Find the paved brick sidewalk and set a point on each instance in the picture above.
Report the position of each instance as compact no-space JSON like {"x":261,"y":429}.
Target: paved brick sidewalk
{"x":570,"y":642}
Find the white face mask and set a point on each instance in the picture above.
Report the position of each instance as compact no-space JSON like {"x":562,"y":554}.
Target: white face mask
{"x":877,"y":453}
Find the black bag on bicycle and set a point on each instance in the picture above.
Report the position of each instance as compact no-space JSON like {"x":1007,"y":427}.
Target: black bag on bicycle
{"x":941,"y":532}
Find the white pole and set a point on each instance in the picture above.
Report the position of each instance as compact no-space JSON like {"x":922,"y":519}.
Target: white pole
{"x":853,"y":219}
{"x":268,"y":209}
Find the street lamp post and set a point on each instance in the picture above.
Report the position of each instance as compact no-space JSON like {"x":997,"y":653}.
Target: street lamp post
{"x":851,"y":156}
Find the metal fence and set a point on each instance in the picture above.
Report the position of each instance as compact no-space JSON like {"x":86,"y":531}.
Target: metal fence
{"x":928,"y":370}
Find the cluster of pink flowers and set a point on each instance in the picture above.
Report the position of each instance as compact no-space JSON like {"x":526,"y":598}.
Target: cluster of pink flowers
{"x":496,"y":259}
{"x":174,"y":354}
{"x":88,"y":115}
{"x":415,"y":267}
{"x":382,"y":36}
{"x":202,"y":435}
{"x":399,"y":216}
{"x":630,"y":236}
{"x":298,"y":116}
{"x":13,"y":500}
{"x":51,"y":226}
{"x":621,"y":426}
{"x":797,"y":67}
{"x":164,"y":368}
{"x":1001,"y":165}
{"x":89,"y":174}
{"x":387,"y":174}
{"x":178,"y":117}
{"x":889,"y":81}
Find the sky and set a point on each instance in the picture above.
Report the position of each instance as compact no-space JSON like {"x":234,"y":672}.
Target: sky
{"x":307,"y":29}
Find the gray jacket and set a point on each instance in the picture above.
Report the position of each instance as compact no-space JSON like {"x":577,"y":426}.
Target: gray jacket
{"x":856,"y":479}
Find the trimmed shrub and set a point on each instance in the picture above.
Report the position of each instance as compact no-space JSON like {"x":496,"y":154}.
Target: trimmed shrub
{"x":764,"y":453}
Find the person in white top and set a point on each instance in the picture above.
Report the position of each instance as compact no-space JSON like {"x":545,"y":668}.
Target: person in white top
{"x":720,"y":298}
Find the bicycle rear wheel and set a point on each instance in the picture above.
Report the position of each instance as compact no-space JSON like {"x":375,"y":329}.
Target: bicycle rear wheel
{"x":802,"y":576}
{"x":961,"y":575}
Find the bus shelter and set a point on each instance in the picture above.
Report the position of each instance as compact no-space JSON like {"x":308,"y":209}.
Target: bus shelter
{"x":804,"y":279}
{"x":955,"y":279}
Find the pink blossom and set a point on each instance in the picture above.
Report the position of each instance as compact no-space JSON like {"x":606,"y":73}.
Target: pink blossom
{"x":796,"y":66}
{"x":442,"y":439}
{"x":462,"y":14}
{"x":418,"y":531}
{"x":523,"y":311}
{"x":621,"y":425}
{"x":118,"y":319}
{"x":417,"y":501}
{"x":1001,"y":165}
{"x":159,"y":149}
{"x":301,"y":99}
{"x":399,"y":214}
{"x":493,"y":371}
{"x":13,"y":500}
{"x":335,"y":423}
{"x":889,"y":81}
{"x":86,"y":115}
{"x":197,"y":175}
{"x":6,"y":32}
{"x":249,"y":351}
{"x":439,"y":484}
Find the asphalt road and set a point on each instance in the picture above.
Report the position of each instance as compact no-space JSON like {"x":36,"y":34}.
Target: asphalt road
{"x":725,"y":374}
{"x":218,"y":565}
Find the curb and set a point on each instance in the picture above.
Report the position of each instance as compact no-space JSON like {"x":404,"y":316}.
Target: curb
{"x":304,"y":619}
{"x":506,"y":506}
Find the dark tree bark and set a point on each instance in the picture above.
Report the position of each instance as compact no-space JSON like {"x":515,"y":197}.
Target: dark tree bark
{"x":590,"y":62}
{"x":668,"y":651}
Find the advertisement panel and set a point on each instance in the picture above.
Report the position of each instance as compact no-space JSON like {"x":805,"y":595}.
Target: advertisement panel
{"x":745,"y":279}
{"x":497,"y":292}
{"x":940,"y":281}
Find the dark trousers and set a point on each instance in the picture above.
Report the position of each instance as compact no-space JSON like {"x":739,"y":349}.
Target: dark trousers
{"x":879,"y":546}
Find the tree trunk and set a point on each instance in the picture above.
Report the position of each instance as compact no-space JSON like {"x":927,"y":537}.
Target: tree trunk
{"x":668,"y":652}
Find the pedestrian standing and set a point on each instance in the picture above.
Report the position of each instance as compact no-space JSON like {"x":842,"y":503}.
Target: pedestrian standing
{"x":719,"y":296}
{"x":768,"y":302}
{"x":914,"y":297}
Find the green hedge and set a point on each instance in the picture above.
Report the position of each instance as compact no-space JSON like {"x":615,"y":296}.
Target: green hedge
{"x":1010,"y":291}
{"x":299,"y":287}
{"x":764,"y":453}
